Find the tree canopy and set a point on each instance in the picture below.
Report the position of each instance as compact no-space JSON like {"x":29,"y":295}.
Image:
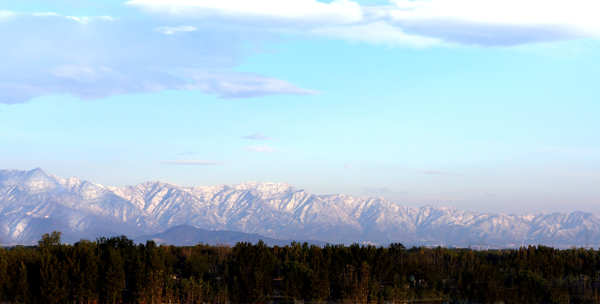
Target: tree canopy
{"x":111,"y":270}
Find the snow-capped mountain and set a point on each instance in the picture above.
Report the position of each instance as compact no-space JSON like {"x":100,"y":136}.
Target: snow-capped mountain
{"x":35,"y":202}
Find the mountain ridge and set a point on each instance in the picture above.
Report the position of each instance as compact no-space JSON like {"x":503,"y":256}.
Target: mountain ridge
{"x":184,"y":235}
{"x":34,"y":201}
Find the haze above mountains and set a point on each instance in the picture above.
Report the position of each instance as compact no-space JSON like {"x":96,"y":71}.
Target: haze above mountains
{"x":36,"y":202}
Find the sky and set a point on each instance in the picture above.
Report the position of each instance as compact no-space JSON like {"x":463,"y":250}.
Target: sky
{"x":484,"y":105}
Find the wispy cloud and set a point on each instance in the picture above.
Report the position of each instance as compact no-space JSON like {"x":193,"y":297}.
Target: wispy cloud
{"x":396,"y":169}
{"x":372,"y":190}
{"x":197,"y":162}
{"x":283,"y":12}
{"x":45,"y":14}
{"x":264,"y":148}
{"x":6,"y":14}
{"x":188,"y":153}
{"x":432,"y":172}
{"x":376,"y":32}
{"x":238,"y":84}
{"x":170,"y":30}
{"x":438,"y":173}
{"x":574,"y":151}
{"x":122,"y":56}
{"x":406,"y":22}
{"x":258,"y":136}
{"x":195,"y":45}
{"x":440,"y":199}
{"x":497,"y":22}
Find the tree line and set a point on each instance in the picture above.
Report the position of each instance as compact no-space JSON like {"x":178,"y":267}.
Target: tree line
{"x":116,"y":270}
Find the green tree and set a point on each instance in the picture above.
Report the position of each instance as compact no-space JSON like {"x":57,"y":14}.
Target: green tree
{"x":112,"y":278}
{"x":4,"y":275}
{"x":532,"y":287}
{"x":154,"y":273}
{"x":296,"y":277}
{"x":318,"y":277}
{"x":22,"y":286}
{"x":137,"y":282}
{"x":84,"y":271}
{"x":50,"y":240}
{"x":54,"y":278}
{"x":251,"y":269}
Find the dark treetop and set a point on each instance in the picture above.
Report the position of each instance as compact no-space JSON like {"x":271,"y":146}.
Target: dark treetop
{"x":116,"y":269}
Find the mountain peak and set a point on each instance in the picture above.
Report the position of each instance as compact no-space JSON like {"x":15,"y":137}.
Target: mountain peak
{"x":38,"y":180}
{"x":35,"y":202}
{"x":157,"y":184}
{"x":264,"y":187}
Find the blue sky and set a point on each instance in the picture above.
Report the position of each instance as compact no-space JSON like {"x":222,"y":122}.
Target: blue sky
{"x":483,"y":105}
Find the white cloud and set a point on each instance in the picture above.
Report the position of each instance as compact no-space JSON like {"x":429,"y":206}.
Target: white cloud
{"x":170,"y":30}
{"x":306,"y":11}
{"x":498,"y":22}
{"x":239,"y":85}
{"x":94,"y":57}
{"x":265,"y":149}
{"x":373,"y":190}
{"x":82,"y":73}
{"x":197,"y":162}
{"x":46,"y":14}
{"x":6,"y":15}
{"x":518,"y":12}
{"x":438,"y":173}
{"x":431,"y":172}
{"x":396,"y":169}
{"x":378,"y":32}
{"x":258,"y":136}
{"x":403,"y":22}
{"x":188,"y":153}
{"x":85,"y":20}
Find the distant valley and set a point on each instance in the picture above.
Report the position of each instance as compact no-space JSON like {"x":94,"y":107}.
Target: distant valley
{"x":36,"y":202}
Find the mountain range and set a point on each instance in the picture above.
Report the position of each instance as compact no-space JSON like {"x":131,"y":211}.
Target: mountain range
{"x":36,"y":202}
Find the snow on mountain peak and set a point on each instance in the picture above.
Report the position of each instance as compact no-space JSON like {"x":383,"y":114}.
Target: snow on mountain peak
{"x":265,"y":188}
{"x":34,"y":201}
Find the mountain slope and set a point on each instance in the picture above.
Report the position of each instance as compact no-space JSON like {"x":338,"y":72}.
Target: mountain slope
{"x":184,"y":235}
{"x":35,"y":202}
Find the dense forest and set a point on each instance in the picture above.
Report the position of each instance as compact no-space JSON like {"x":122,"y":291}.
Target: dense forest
{"x":111,"y":270}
